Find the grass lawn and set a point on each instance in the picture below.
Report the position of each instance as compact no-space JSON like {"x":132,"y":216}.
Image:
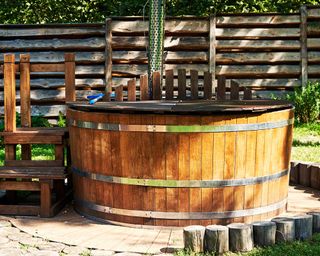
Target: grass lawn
{"x":306,"y":143}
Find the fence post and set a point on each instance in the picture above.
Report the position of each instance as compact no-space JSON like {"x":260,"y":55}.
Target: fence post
{"x":70,"y":66}
{"x":303,"y":45}
{"x":212,"y":49}
{"x":108,"y":59}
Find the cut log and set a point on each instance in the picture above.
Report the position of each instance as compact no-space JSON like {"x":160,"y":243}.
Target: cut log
{"x":315,"y":221}
{"x":303,"y":226}
{"x":264,"y":233}
{"x":294,"y":172}
{"x":304,"y":174}
{"x":193,"y":237}
{"x":240,"y":237}
{"x":216,"y":239}
{"x":315,"y":177}
{"x":285,"y":229}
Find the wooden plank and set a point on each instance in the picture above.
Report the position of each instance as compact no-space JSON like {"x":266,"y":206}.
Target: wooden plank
{"x":70,"y":77}
{"x":45,"y":199}
{"x":33,"y":172}
{"x":304,"y":46}
{"x":261,"y":45}
{"x":257,"y":33}
{"x":18,"y":138}
{"x":132,"y":90}
{"x":258,"y":20}
{"x":169,"y":84}
{"x":43,"y":67}
{"x":212,"y":46}
{"x":19,"y":185}
{"x":25,"y":104}
{"x":313,"y":43}
{"x":234,"y":90}
{"x":144,"y":95}
{"x":10,"y":93}
{"x":88,"y":44}
{"x":194,"y":84}
{"x":313,"y":13}
{"x":221,"y":88}
{"x":207,"y":90}
{"x":20,"y":210}
{"x":108,"y":58}
{"x":58,"y":57}
{"x":119,"y":93}
{"x":182,"y":84}
{"x":156,"y":85}
{"x":33,"y":163}
{"x":50,"y":32}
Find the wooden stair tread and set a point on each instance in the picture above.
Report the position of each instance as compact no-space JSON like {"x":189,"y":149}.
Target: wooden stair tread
{"x":37,"y":131}
{"x":33,"y":163}
{"x":33,"y":172}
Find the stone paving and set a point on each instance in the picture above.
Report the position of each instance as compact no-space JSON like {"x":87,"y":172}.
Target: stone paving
{"x":13,"y":242}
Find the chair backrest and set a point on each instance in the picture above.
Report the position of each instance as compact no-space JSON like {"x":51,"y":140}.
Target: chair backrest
{"x":26,"y":68}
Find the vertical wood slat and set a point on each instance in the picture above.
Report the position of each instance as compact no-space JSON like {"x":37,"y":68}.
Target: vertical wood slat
{"x":234,"y":90}
{"x":221,"y":88}
{"x":169,"y":84}
{"x":9,"y":93}
{"x":304,"y":46}
{"x":25,"y":105}
{"x":144,"y":87}
{"x":212,"y":50}
{"x":108,"y":59}
{"x":119,"y":92}
{"x":207,"y":86}
{"x":194,"y":84}
{"x":182,"y":84}
{"x":132,"y":90}
{"x":156,"y":85}
{"x":69,"y":76}
{"x":247,"y":94}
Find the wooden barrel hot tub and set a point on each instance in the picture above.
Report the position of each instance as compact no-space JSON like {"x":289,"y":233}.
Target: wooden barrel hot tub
{"x":180,"y":163}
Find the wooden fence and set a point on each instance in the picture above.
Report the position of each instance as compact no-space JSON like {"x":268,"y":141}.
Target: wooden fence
{"x":271,"y":53}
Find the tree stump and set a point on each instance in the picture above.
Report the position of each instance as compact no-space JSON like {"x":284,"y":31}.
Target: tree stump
{"x":240,"y":237}
{"x":264,"y":233}
{"x":193,"y":238}
{"x":216,"y":239}
{"x":303,"y":226}
{"x":285,"y":229}
{"x":315,"y":221}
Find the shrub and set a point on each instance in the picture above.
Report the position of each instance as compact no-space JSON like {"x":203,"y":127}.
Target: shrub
{"x":307,"y":102}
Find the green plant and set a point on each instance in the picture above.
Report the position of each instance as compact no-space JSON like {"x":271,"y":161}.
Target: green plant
{"x":61,"y":120}
{"x":307,"y":102}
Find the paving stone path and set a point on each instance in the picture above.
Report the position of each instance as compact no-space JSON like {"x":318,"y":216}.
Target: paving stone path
{"x":13,"y":242}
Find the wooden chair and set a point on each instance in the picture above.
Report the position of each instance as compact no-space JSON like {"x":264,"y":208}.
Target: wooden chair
{"x":46,"y":176}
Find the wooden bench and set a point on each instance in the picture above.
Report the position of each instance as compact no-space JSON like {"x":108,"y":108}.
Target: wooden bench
{"x":47,"y":177}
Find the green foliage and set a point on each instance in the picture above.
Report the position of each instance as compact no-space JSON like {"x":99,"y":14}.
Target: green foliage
{"x":307,"y":102}
{"x":61,"y":120}
{"x":61,"y":11}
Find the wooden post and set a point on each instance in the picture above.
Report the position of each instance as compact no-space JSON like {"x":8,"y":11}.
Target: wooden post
{"x":240,"y":237}
{"x":193,"y":238}
{"x":285,"y":229}
{"x":207,"y":93}
{"x":169,"y":84}
{"x":25,"y":104}
{"x":119,"y":93}
{"x":315,"y":221}
{"x":194,"y":84}
{"x":9,"y":102}
{"x":304,"y":174}
{"x":216,"y":239}
{"x":294,"y":172}
{"x":132,"y":90}
{"x":234,"y":90}
{"x":212,"y":49}
{"x":45,"y":198}
{"x":108,"y":59}
{"x":221,"y":88}
{"x":69,"y":76}
{"x":303,"y":45}
{"x":303,"y":226}
{"x":264,"y":233}
{"x":247,"y":94}
{"x":156,"y":85}
{"x":182,"y":84}
{"x":144,"y":87}
{"x":315,"y":177}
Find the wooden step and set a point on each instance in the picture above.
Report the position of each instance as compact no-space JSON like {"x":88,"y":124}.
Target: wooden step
{"x":33,"y":163}
{"x":32,"y":137}
{"x":33,"y":172}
